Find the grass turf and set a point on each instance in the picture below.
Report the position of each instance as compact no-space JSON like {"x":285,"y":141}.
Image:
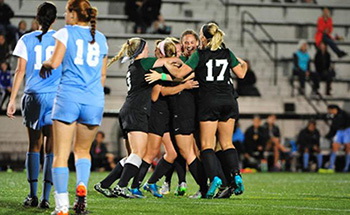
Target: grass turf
{"x":266,"y":193}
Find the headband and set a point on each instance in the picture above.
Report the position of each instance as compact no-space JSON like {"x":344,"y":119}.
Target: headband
{"x":161,"y":47}
{"x":206,"y":32}
{"x":138,"y":51}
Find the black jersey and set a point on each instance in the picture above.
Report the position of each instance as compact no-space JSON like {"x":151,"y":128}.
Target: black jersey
{"x":213,"y":70}
{"x":139,"y":91}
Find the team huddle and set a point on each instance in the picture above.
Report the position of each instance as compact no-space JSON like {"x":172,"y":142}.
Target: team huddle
{"x":182,"y":98}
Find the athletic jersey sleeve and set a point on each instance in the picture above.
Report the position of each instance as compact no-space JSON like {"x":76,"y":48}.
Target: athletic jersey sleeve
{"x":21,"y":50}
{"x":62,"y":36}
{"x":193,"y":60}
{"x":147,"y":63}
{"x":234,"y":61}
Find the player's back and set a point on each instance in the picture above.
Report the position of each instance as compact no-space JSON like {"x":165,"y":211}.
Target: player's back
{"x":213,"y":71}
{"x":82,"y":64}
{"x":35,"y":52}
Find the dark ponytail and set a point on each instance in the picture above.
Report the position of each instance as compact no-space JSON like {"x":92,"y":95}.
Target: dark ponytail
{"x":93,"y":14}
{"x":46,"y":15}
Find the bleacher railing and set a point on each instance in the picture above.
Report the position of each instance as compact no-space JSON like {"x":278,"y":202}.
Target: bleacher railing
{"x":273,"y":57}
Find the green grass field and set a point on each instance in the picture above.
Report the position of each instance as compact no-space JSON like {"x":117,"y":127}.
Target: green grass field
{"x":266,"y":193}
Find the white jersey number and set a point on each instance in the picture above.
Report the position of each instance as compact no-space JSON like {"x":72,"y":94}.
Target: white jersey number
{"x":128,"y":80}
{"x":39,"y":55}
{"x":218,"y":63}
{"x":93,"y":53}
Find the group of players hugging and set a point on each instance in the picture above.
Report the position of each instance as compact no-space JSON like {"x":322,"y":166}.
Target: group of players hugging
{"x":183,"y":97}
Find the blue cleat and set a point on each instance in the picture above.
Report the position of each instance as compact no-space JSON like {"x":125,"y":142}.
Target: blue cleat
{"x":137,"y":193}
{"x":152,"y":188}
{"x":215,"y":184}
{"x":239,"y":183}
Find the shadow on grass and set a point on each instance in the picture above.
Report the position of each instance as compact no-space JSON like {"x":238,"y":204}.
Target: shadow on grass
{"x":14,"y":207}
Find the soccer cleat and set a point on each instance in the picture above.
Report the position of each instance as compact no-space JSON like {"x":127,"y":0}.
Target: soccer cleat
{"x":152,"y":188}
{"x":215,"y":184}
{"x":44,"y":204}
{"x":197,"y":195}
{"x":107,"y":192}
{"x":165,"y":188}
{"x":137,"y":193}
{"x":31,"y":201}
{"x":80,"y":203}
{"x":239,"y":183}
{"x":61,"y":212}
{"x":181,"y":189}
{"x":62,"y":204}
{"x":123,"y":192}
{"x":225,"y":193}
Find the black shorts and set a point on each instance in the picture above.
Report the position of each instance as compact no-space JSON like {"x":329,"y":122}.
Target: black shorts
{"x":183,"y":113}
{"x":158,"y":122}
{"x":133,"y":120}
{"x":217,"y":109}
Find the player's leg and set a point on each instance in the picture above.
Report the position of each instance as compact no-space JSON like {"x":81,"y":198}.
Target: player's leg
{"x":104,"y":186}
{"x":63,"y":136}
{"x":347,"y":149}
{"x":47,"y":168}
{"x":338,"y":140}
{"x":319,"y":156}
{"x":185,"y":144}
{"x":333,"y":156}
{"x":85,"y":135}
{"x":347,"y":157}
{"x":180,"y":167}
{"x":138,"y":144}
{"x":163,"y":166}
{"x":225,"y":131}
{"x":209,"y":159}
{"x":153,"y":148}
{"x":32,"y":165}
{"x":306,"y":156}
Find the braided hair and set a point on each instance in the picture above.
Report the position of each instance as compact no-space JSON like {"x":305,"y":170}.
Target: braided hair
{"x":46,"y":15}
{"x":85,"y":13}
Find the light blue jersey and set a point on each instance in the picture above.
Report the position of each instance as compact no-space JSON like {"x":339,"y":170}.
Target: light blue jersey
{"x":35,"y":53}
{"x":82,"y":64}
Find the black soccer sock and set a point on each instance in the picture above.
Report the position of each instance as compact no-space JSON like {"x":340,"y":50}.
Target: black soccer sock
{"x":129,"y":171}
{"x":131,"y":168}
{"x":169,"y":174}
{"x":231,"y":161}
{"x":141,"y":175}
{"x":113,"y":175}
{"x":161,"y":169}
{"x":225,"y":169}
{"x":180,"y":167}
{"x":209,"y":162}
{"x":198,"y":173}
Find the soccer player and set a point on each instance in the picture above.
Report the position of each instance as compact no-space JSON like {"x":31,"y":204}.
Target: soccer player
{"x":217,"y":108}
{"x":32,"y":49}
{"x":134,"y":115}
{"x":340,"y":130}
{"x":78,"y":107}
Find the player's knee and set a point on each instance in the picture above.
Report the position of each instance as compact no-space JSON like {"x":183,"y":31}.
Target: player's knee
{"x":80,"y":151}
{"x":227,"y":145}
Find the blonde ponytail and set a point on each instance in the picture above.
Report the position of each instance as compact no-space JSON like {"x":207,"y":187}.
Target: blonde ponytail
{"x":217,"y":36}
{"x":119,"y":55}
{"x":128,"y":48}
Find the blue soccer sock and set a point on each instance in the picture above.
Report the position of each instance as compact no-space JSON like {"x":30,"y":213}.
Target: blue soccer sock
{"x":306,"y":160}
{"x":319,"y":160}
{"x":347,"y":162}
{"x":83,"y":167}
{"x":32,"y":166}
{"x":60,"y":177}
{"x":332,"y":160}
{"x":47,"y":172}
